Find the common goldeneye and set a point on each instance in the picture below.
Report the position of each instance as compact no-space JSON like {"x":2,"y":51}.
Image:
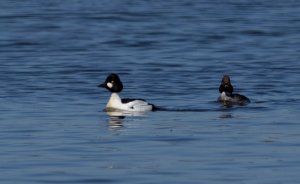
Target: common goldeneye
{"x":115,"y":103}
{"x":227,"y":96}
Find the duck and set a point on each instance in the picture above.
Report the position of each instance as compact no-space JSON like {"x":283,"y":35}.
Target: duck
{"x":227,"y":97}
{"x":114,"y":84}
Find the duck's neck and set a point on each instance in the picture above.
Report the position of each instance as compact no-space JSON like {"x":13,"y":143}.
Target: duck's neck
{"x":114,"y":101}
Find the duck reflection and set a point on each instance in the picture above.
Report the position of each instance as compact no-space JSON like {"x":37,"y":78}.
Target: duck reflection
{"x":226,"y":115}
{"x":117,"y":117}
{"x":226,"y":112}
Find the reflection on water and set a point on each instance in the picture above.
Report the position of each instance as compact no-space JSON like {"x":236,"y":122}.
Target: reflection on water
{"x":119,"y":113}
{"x":226,"y":115}
{"x":115,"y":122}
{"x":116,"y":117}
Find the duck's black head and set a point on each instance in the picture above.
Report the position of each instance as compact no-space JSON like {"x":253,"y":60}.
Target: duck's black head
{"x":226,"y":85}
{"x":112,"y":83}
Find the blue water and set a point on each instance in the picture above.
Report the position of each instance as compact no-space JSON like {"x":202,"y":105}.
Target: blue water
{"x":53,"y":54}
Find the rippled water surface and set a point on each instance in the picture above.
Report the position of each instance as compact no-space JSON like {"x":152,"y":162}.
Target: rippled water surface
{"x":53,"y":54}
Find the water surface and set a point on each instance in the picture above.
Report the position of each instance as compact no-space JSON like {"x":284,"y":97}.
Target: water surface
{"x":53,"y":54}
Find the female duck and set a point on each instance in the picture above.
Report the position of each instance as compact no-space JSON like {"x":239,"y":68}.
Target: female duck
{"x":227,"y":96}
{"x":115,"y":103}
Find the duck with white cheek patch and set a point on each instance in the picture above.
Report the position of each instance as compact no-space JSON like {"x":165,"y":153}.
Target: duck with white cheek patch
{"x":115,"y":103}
{"x":227,"y":96}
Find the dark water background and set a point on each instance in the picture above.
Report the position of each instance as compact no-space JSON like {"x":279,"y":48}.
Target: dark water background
{"x":53,"y":54}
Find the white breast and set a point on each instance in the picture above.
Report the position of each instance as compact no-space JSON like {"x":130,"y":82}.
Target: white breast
{"x":224,"y":97}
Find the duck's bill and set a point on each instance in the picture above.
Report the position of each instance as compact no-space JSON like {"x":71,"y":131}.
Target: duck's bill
{"x":102,"y":85}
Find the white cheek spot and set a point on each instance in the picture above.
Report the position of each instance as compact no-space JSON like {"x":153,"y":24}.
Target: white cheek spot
{"x":110,"y":85}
